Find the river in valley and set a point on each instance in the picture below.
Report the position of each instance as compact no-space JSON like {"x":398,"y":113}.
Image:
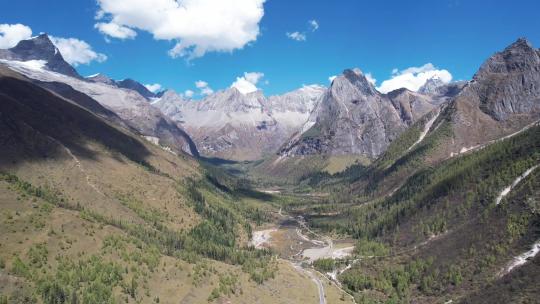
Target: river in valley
{"x":295,"y":242}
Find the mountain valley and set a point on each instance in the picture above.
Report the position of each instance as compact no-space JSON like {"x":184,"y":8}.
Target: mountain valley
{"x":112,"y":193}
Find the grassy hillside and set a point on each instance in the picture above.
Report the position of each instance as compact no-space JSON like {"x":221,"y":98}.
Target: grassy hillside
{"x":440,"y":234}
{"x":92,"y":213}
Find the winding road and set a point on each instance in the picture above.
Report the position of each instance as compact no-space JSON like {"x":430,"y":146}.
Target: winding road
{"x":315,"y":278}
{"x":312,"y":249}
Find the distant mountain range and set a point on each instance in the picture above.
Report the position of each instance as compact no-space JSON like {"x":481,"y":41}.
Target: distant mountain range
{"x":230,"y":124}
{"x":348,"y":118}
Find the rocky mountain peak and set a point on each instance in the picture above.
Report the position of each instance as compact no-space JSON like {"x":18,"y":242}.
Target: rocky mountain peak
{"x":431,"y":86}
{"x":41,"y":48}
{"x":518,"y":57}
{"x":353,"y":81}
{"x":521,"y":43}
{"x":135,"y":86}
{"x":227,"y":101}
{"x":507,"y":83}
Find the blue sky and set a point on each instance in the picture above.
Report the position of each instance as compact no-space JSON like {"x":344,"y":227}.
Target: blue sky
{"x":376,"y":36}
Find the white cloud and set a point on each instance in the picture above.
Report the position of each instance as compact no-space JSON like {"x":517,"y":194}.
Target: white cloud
{"x":116,"y":31}
{"x":11,"y":34}
{"x":206,"y":91}
{"x":331,"y":78}
{"x":413,"y":78}
{"x":253,"y":77}
{"x":314,"y":24}
{"x":189,"y":93}
{"x":248,"y":83}
{"x":76,"y":51}
{"x":297,"y":36}
{"x":153,"y":87}
{"x":201,"y":84}
{"x":370,"y":78}
{"x":197,"y":26}
{"x":203,"y":87}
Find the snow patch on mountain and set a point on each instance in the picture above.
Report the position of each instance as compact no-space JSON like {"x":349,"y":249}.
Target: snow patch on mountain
{"x":507,"y":190}
{"x":36,"y":65}
{"x":521,"y":259}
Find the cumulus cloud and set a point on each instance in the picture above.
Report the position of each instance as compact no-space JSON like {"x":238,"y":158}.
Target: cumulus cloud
{"x":11,"y":34}
{"x":189,"y":93}
{"x":153,"y":87}
{"x":296,"y":36}
{"x":413,"y":78}
{"x":247,"y":83}
{"x":76,"y":51}
{"x":370,"y":78}
{"x":314,"y":24}
{"x":331,"y":78}
{"x":115,"y":31}
{"x":204,"y":88}
{"x":197,"y":26}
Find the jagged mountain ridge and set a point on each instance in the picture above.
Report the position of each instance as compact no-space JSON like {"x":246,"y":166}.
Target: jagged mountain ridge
{"x":132,"y":108}
{"x":230,"y":124}
{"x":354,"y":118}
{"x":124,"y":84}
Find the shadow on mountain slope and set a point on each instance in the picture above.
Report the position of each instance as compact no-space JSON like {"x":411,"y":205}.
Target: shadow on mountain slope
{"x":33,"y":122}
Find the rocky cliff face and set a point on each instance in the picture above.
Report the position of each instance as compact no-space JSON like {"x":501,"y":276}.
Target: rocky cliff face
{"x":502,"y":98}
{"x":354,"y":118}
{"x":410,"y":105}
{"x":230,"y":124}
{"x":508,"y":83}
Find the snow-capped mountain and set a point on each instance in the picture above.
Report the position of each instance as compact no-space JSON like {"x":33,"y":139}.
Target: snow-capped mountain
{"x":431,"y":85}
{"x":233,"y":125}
{"x":40,"y":60}
{"x":40,"y":50}
{"x":439,"y":91}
